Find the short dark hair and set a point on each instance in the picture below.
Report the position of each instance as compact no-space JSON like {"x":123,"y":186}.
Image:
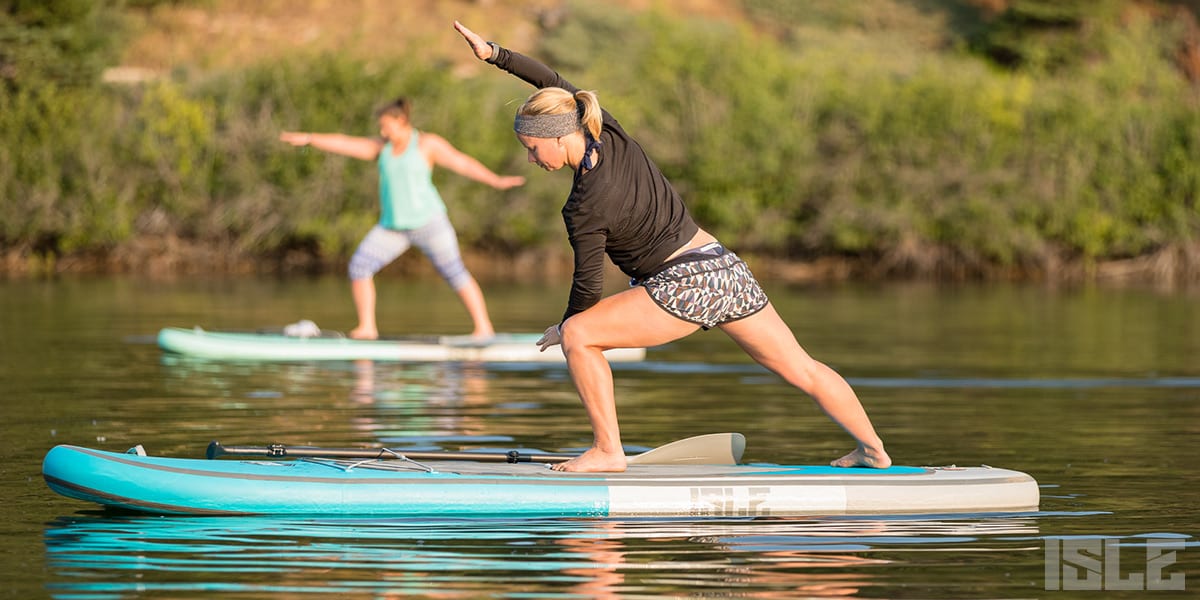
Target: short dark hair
{"x":400,"y":107}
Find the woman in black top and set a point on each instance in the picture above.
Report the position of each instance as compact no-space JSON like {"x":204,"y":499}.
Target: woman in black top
{"x":622,"y":205}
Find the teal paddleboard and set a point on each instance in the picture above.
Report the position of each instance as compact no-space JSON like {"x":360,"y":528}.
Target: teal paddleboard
{"x":274,"y":346}
{"x":466,"y":488}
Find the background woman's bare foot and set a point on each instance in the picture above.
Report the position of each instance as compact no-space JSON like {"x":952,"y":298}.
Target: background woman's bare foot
{"x":360,"y":333}
{"x":593,"y":461}
{"x":864,"y":457}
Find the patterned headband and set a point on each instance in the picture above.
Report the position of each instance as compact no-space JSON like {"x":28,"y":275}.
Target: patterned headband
{"x":547,"y":126}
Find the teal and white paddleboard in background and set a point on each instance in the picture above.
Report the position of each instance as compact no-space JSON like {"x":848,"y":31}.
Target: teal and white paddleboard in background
{"x":469,"y":488}
{"x":274,"y":346}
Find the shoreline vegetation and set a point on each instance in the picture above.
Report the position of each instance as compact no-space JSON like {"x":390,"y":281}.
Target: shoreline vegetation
{"x":931,"y":139}
{"x":170,"y":257}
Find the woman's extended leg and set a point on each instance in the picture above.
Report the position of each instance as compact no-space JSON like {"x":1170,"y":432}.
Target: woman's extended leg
{"x":768,"y":340}
{"x":363,"y":292}
{"x":439,"y":242}
{"x":378,"y":248}
{"x":629,"y":319}
{"x":472,"y":298}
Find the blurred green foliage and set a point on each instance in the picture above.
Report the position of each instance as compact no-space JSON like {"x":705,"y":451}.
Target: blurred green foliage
{"x":972,"y":146}
{"x":1048,"y":34}
{"x":59,"y":42}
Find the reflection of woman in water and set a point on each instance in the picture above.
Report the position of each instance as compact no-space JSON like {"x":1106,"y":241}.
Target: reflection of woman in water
{"x":412,"y":212}
{"x":622,"y":205}
{"x":427,"y":403}
{"x":602,"y":551}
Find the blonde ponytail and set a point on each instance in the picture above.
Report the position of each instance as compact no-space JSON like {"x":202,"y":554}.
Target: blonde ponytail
{"x":591,"y":119}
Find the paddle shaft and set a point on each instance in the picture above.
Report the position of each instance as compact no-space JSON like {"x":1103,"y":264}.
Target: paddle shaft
{"x":708,"y":449}
{"x":216,"y":450}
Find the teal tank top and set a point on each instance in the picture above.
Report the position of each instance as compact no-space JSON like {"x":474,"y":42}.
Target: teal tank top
{"x":407,"y":197}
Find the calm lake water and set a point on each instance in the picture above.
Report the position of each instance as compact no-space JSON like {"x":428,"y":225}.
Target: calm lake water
{"x":1095,"y":392}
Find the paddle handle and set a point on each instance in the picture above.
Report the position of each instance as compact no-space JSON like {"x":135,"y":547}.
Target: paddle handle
{"x":217,"y":450}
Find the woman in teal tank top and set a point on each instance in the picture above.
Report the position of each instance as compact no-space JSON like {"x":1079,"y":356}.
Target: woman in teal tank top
{"x":411,"y":210}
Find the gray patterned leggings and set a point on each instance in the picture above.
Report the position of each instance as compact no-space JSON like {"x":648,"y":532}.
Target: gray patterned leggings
{"x":436,"y":239}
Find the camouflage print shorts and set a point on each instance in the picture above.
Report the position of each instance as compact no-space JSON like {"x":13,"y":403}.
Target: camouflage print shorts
{"x":708,"y":287}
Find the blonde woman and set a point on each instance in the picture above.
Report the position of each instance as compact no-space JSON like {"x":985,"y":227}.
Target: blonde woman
{"x":621,"y":205}
{"x":412,"y":212}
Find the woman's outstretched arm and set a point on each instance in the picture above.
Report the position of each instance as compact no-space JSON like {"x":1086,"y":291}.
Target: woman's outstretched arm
{"x":335,"y":143}
{"x":446,"y":155}
{"x":524,"y":67}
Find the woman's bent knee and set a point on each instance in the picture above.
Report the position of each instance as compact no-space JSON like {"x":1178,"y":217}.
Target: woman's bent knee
{"x":569,"y":335}
{"x":576,"y":336}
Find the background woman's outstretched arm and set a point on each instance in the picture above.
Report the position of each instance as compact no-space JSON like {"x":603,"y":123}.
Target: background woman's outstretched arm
{"x":444,"y":154}
{"x":335,"y":143}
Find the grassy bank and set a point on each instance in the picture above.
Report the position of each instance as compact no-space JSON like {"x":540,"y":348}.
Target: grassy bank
{"x":893,"y":153}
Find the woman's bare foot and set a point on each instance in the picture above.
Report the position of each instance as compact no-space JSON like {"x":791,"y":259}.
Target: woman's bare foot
{"x":594,"y":461}
{"x":865,"y":457}
{"x":363,"y":333}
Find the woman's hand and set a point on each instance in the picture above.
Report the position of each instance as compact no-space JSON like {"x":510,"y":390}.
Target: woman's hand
{"x":552,"y":337}
{"x":479,"y":46}
{"x":505,"y":182}
{"x":296,"y":138}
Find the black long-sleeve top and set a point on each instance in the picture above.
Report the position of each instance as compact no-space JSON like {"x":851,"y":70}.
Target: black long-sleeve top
{"x":624,"y":206}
